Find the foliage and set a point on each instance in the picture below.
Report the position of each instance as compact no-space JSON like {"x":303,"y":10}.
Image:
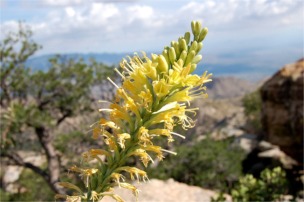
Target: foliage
{"x":153,"y":99}
{"x":270,"y":187}
{"x":29,"y":183}
{"x":208,"y":163}
{"x":253,"y":104}
{"x":76,"y":141}
{"x":35,"y":103}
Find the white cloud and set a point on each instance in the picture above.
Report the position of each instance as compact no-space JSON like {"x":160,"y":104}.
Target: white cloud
{"x":70,"y":11}
{"x":64,"y":2}
{"x":96,"y":26}
{"x":230,"y":11}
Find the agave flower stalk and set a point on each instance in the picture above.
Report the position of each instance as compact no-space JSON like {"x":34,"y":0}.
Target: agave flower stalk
{"x":154,"y":97}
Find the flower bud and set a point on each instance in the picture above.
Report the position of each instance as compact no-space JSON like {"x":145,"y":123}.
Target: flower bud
{"x":183,"y":45}
{"x":162,"y":64}
{"x":193,"y":67}
{"x":199,"y":47}
{"x":197,"y":59}
{"x":183,"y":55}
{"x":187,"y":37}
{"x":176,"y":48}
{"x":172,"y":55}
{"x":190,"y":57}
{"x":203,"y":34}
{"x":166,"y":56}
{"x":193,"y":46}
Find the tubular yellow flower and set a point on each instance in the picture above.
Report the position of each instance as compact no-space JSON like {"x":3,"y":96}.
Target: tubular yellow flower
{"x":145,"y":158}
{"x":161,"y":88}
{"x":122,"y":138}
{"x":153,"y":98}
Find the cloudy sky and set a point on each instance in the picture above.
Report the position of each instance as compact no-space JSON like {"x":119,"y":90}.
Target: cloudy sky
{"x":263,"y":34}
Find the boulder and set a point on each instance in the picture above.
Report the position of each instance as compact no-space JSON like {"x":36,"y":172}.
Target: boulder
{"x":282,"y":109}
{"x":165,"y":191}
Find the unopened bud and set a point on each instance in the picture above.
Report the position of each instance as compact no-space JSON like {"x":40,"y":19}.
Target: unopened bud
{"x":162,"y":64}
{"x":190,"y":57}
{"x":172,"y":55}
{"x":203,"y":34}
{"x":187,"y":37}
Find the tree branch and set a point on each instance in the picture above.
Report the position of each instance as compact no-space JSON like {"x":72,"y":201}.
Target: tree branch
{"x":17,"y":160}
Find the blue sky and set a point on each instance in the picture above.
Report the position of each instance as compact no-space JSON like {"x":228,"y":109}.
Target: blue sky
{"x":262,"y":34}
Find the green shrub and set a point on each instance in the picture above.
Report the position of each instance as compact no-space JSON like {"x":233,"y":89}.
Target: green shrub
{"x":252,"y":105}
{"x":73,"y":143}
{"x":208,"y":163}
{"x":36,"y":189}
{"x":270,"y":187}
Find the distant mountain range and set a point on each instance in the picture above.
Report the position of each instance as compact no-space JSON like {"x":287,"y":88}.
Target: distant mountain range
{"x":239,"y":70}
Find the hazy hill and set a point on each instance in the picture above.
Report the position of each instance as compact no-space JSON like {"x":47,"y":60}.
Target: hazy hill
{"x":245,"y":71}
{"x":229,"y":87}
{"x":223,"y":85}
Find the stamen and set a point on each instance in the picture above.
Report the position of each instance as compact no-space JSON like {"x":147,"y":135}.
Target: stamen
{"x":168,"y":151}
{"x":112,"y":82}
{"x":104,"y":101}
{"x":179,"y":135}
{"x":105,"y":110}
{"x":118,"y":72}
{"x":93,"y":125}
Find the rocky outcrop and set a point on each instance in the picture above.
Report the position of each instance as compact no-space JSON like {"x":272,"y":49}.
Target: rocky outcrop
{"x":224,"y":87}
{"x":282,"y":109}
{"x":166,"y":191}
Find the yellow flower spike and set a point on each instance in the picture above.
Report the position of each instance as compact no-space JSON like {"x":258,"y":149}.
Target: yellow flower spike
{"x":154,"y":97}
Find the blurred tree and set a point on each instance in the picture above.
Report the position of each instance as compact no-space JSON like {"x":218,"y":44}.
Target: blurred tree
{"x":207,"y":163}
{"x":37,"y":102}
{"x":252,"y":105}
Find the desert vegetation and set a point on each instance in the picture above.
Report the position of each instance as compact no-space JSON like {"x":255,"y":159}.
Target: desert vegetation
{"x":47,"y":114}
